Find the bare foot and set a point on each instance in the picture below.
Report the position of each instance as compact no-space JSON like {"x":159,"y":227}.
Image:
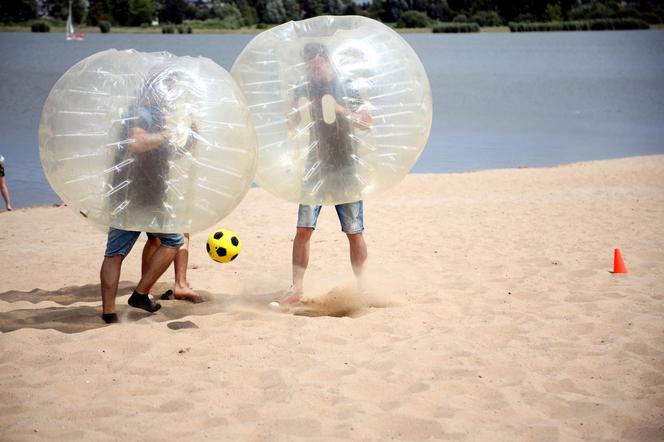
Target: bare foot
{"x":9,"y":208}
{"x":294,"y":296}
{"x":185,"y":293}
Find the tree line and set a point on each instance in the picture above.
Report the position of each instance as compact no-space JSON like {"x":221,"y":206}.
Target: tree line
{"x":238,"y":13}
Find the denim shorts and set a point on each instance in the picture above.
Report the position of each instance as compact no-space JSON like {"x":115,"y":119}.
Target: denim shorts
{"x":120,"y":242}
{"x":351,"y":216}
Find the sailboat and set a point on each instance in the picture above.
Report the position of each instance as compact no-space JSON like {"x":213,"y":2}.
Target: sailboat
{"x":71,"y":35}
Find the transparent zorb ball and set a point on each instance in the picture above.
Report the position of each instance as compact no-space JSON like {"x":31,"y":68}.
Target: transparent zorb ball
{"x":341,"y":106}
{"x":148,"y":141}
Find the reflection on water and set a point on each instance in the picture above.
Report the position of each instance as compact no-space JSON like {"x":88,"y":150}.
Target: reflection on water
{"x":500,"y":99}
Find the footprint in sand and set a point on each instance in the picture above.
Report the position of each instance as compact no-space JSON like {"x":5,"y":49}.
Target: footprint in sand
{"x":179,"y":325}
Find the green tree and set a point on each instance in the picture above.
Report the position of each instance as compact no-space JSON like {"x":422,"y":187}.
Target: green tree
{"x":100,"y":10}
{"x":120,"y":12}
{"x":334,"y":7}
{"x":592,"y":10}
{"x":413,"y":19}
{"x":18,"y":10}
{"x":60,"y":9}
{"x":436,"y":9}
{"x":391,"y":10}
{"x":247,"y":12}
{"x":229,"y":14}
{"x":554,"y":12}
{"x":292,"y":10}
{"x":277,"y":11}
{"x":141,"y":11}
{"x":172,"y":11}
{"x":376,"y":9}
{"x":352,"y":8}
{"x":310,"y":8}
{"x":274,"y":12}
{"x":394,"y":9}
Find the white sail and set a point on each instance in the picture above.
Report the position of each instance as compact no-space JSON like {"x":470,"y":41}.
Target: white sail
{"x":70,"y":33}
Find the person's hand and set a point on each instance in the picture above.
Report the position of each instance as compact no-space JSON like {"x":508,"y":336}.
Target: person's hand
{"x":177,"y":130}
{"x":166,"y":134}
{"x":361,"y":119}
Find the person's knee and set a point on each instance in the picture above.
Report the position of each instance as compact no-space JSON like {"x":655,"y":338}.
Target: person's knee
{"x":113,"y":260}
{"x":304,"y":233}
{"x":171,"y":240}
{"x":355,"y":238}
{"x":110,"y":266}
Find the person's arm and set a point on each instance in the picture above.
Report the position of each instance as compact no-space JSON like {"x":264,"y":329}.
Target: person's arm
{"x":143,"y":141}
{"x":300,"y":109}
{"x":353,"y":107}
{"x":360,"y":118}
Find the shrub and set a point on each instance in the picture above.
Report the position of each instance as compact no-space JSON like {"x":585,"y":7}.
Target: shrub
{"x":525,"y":18}
{"x":168,"y":29}
{"x":651,"y":17}
{"x":214,"y":23}
{"x":40,"y":26}
{"x":580,"y":25}
{"x":589,"y":11}
{"x":105,"y":27}
{"x":627,"y":12}
{"x":486,"y":18}
{"x":413,"y":19}
{"x":184,"y":29}
{"x":461,"y":18}
{"x":629,"y":23}
{"x":455,"y":27}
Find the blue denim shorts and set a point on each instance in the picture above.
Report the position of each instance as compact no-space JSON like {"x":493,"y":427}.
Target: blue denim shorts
{"x":351,"y":216}
{"x":120,"y":242}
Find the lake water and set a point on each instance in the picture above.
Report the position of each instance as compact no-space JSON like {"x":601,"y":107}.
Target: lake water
{"x":500,"y":99}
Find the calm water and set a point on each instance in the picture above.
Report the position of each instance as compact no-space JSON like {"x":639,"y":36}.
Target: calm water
{"x":500,"y":100}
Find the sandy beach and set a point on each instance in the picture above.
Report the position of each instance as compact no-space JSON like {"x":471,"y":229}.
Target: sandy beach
{"x":492,"y":315}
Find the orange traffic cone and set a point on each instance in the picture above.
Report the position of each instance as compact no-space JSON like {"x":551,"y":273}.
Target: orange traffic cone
{"x":618,"y":264}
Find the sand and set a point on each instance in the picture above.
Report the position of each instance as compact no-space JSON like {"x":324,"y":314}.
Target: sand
{"x":491,"y":315}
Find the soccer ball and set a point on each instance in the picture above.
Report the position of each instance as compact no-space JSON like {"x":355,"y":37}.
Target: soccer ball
{"x":223,"y":245}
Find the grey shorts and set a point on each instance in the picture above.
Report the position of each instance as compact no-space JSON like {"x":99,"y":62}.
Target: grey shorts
{"x":351,"y":216}
{"x":120,"y":242}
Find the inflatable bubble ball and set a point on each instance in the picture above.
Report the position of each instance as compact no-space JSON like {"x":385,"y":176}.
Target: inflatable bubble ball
{"x":148,"y":141}
{"x":341,"y":106}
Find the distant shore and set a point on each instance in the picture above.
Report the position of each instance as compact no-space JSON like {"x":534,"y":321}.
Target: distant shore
{"x":247,"y":30}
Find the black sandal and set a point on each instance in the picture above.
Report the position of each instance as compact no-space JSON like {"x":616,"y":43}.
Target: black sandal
{"x":109,"y":318}
{"x":144,"y":302}
{"x":168,"y":295}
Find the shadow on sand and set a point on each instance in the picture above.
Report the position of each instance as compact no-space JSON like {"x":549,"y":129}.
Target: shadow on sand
{"x":78,"y":318}
{"x":68,"y":318}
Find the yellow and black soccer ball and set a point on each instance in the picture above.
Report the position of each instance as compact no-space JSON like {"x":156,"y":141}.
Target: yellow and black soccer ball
{"x":223,"y":245}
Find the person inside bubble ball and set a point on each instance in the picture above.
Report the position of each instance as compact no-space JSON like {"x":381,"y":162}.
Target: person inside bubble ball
{"x":335,"y":110}
{"x":139,"y":188}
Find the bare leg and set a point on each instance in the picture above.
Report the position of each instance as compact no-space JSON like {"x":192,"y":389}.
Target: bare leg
{"x":156,"y":266}
{"x":300,"y":263}
{"x":5,"y":193}
{"x":358,"y":256}
{"x":110,"y":277}
{"x":150,"y":247}
{"x":181,"y":290}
